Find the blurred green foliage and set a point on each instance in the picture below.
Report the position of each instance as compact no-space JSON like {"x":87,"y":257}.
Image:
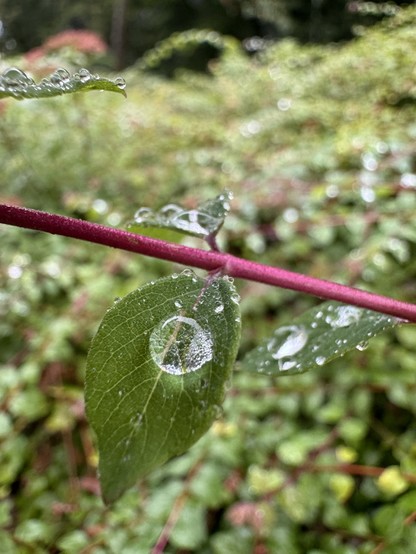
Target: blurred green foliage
{"x":318,"y":146}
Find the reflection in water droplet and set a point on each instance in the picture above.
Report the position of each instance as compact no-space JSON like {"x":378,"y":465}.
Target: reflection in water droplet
{"x":189,"y":221}
{"x":180,"y":345}
{"x":344,"y":316}
{"x":320,"y":360}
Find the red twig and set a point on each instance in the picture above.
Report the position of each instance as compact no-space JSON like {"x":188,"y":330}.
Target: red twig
{"x":208,"y":260}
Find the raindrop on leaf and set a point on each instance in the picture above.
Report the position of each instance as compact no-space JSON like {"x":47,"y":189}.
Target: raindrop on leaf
{"x":120,"y":83}
{"x":179,"y":345}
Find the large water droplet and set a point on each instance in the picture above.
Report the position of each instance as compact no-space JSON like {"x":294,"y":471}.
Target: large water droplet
{"x":179,"y":345}
{"x":343,"y":316}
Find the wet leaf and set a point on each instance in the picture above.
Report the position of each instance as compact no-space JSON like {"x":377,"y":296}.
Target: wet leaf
{"x":16,"y":84}
{"x":316,"y":337}
{"x":204,"y":221}
{"x":156,"y":373}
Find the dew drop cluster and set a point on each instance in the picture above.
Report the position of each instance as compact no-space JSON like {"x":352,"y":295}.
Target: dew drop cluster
{"x":324,"y":333}
{"x":16,"y":83}
{"x":203,"y":221}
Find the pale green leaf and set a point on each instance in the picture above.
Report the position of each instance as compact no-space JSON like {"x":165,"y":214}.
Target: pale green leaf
{"x":16,"y":84}
{"x":316,"y":337}
{"x":157,"y":372}
{"x":204,"y":221}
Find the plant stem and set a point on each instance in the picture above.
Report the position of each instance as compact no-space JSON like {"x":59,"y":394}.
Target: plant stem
{"x":203,"y":259}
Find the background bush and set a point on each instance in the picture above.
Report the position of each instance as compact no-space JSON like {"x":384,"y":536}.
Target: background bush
{"x":318,"y":145}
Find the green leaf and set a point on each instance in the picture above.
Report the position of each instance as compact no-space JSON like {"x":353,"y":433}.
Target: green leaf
{"x":16,"y":84}
{"x":204,"y":221}
{"x":316,"y":337}
{"x":157,"y":372}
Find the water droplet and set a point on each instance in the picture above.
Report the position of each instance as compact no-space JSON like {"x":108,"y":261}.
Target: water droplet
{"x":285,"y":365}
{"x":344,"y":316}
{"x":187,"y":273}
{"x":136,"y":420}
{"x":117,"y":299}
{"x":235,"y":297}
{"x":286,"y":343}
{"x":120,"y":83}
{"x":362,"y":346}
{"x":292,"y":343}
{"x":83,"y":75}
{"x":14,"y":77}
{"x":142,"y":214}
{"x":63,"y":74}
{"x":178,"y":304}
{"x":320,"y":360}
{"x":179,"y":345}
{"x":219,"y":309}
{"x":189,"y":221}
{"x":56,"y":79}
{"x":170,"y":210}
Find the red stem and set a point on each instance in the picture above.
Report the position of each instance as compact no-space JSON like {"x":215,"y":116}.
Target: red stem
{"x":203,"y":259}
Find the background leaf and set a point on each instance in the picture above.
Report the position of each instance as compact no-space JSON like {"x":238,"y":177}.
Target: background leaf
{"x":204,"y":221}
{"x":16,"y":84}
{"x":156,"y":373}
{"x":316,"y":337}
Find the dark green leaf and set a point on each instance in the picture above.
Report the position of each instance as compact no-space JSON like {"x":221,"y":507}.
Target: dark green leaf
{"x":156,"y":373}
{"x":15,"y":83}
{"x":316,"y":337}
{"x":204,"y":221}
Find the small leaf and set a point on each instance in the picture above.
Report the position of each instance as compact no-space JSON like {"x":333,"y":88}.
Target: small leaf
{"x":204,"y":221}
{"x":156,"y":373}
{"x":316,"y":337}
{"x":16,"y":84}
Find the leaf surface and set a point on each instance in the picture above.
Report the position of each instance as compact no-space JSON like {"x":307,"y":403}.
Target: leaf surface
{"x":316,"y":337}
{"x":16,"y":84}
{"x":156,"y":373}
{"x":204,"y":221}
